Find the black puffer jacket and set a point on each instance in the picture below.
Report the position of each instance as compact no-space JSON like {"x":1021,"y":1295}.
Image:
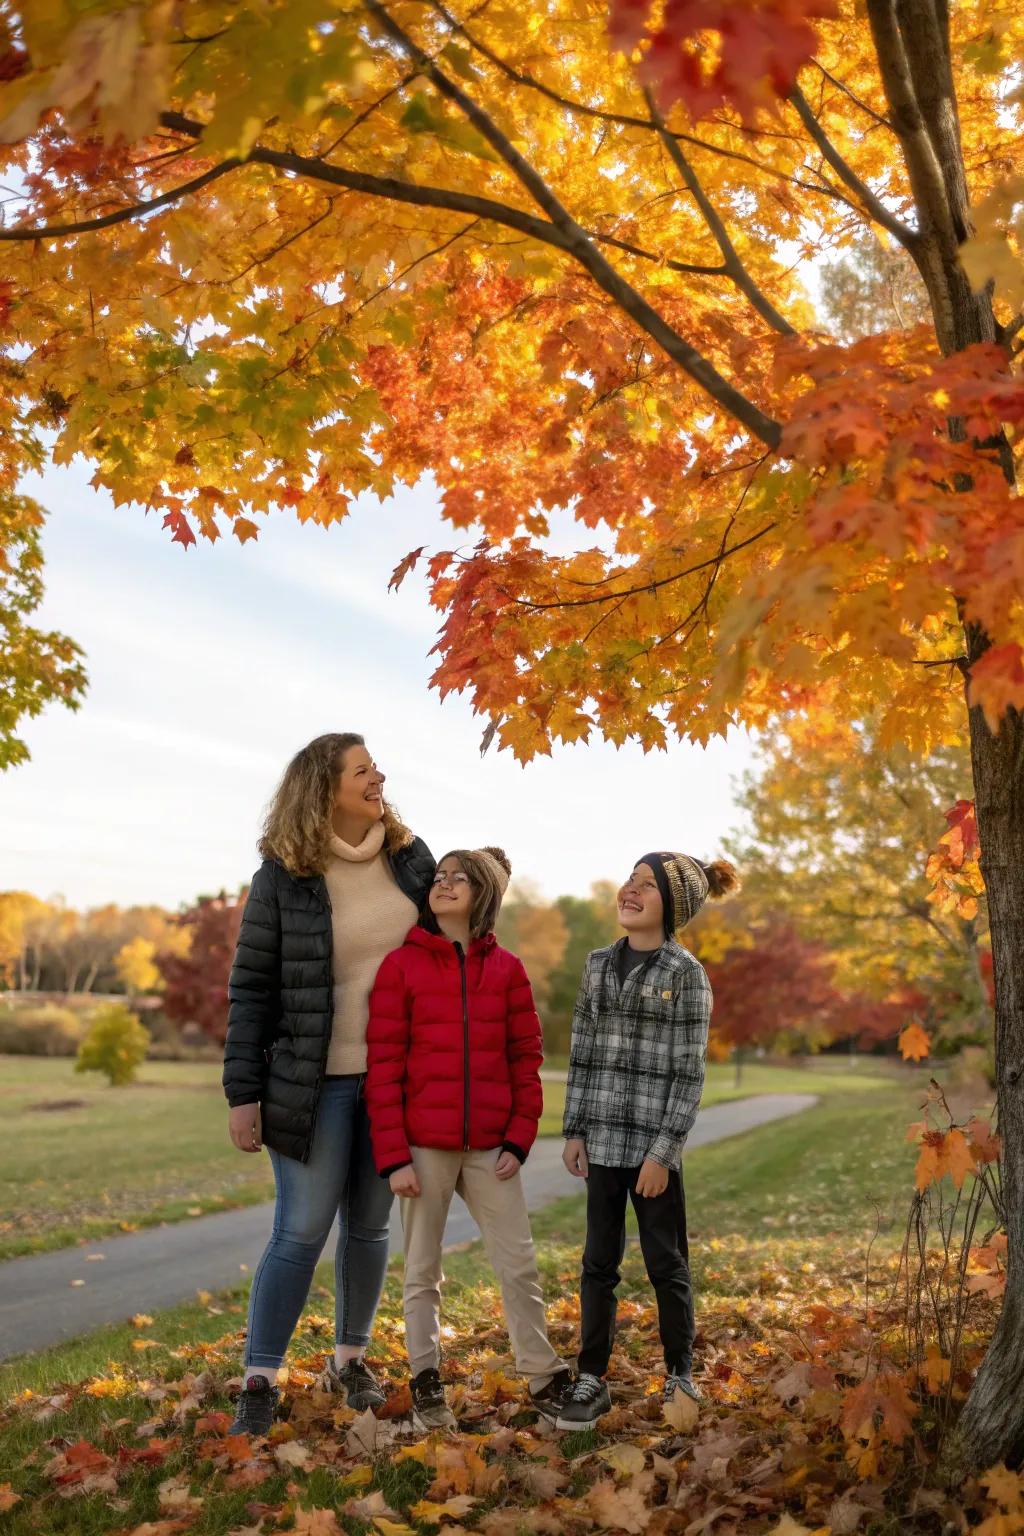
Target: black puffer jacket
{"x":280,"y":992}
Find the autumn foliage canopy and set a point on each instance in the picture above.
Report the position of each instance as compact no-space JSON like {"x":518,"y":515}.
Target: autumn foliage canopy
{"x":555,"y":263}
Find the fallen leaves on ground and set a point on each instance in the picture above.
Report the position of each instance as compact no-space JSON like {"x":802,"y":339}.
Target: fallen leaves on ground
{"x":811,"y":1422}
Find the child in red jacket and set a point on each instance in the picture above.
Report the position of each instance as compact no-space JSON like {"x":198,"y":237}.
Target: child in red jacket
{"x":454,"y":1096}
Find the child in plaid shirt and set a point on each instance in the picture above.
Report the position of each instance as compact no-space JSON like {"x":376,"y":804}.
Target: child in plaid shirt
{"x":636,"y":1073}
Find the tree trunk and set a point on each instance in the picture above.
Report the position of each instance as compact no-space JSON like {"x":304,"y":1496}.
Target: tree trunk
{"x":991,"y":1427}
{"x":913,"y":50}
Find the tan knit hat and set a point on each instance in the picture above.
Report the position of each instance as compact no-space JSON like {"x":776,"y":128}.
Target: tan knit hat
{"x":496,"y":868}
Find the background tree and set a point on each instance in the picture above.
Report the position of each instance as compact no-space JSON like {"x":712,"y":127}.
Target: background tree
{"x":18,"y":912}
{"x":195,"y":978}
{"x":535,"y":930}
{"x":115,"y":1044}
{"x":873,"y":286}
{"x":137,"y":970}
{"x":591,"y":922}
{"x":269,"y":257}
{"x":778,"y":990}
{"x":837,"y":836}
{"x":37,"y":667}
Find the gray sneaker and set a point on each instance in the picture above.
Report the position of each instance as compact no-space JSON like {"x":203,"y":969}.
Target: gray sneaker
{"x":584,"y":1404}
{"x":354,"y":1383}
{"x":429,"y":1408}
{"x":257,"y":1405}
{"x":682,"y":1383}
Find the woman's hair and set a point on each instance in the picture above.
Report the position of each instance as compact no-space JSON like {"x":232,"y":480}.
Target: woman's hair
{"x":487,"y":893}
{"x":297,"y":830}
{"x":723,"y":879}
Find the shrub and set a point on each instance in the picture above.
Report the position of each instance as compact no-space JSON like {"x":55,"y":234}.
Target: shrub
{"x":116,"y":1044}
{"x":44,"y":1030}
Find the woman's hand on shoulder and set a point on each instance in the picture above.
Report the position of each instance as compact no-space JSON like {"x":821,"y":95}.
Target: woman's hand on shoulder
{"x":245,"y":1127}
{"x":405,"y":1183}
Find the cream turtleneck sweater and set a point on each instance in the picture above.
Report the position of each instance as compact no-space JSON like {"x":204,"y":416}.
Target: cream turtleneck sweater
{"x":371,"y":917}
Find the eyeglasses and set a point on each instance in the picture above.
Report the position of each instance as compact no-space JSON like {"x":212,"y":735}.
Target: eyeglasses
{"x":451,"y":877}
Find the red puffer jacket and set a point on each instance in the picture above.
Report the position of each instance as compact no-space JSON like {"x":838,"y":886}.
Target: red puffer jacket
{"x":453,"y":1050}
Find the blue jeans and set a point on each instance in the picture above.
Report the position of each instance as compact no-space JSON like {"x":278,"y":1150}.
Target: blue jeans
{"x":340,"y":1180}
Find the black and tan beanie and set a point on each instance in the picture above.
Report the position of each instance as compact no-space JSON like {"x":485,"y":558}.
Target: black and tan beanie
{"x":685,"y":885}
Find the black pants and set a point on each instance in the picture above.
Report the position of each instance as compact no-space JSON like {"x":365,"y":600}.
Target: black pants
{"x":662,"y":1223}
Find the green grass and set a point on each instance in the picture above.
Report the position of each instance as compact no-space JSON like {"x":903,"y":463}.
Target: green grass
{"x":828,"y":1075}
{"x":159,"y":1151}
{"x":827,"y":1178}
{"x":792,"y":1207}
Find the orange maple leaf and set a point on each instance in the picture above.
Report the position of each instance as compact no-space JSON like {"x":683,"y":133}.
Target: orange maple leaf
{"x":997,"y":682}
{"x":881,"y":1402}
{"x":915,"y":1043}
{"x":985,"y":1142}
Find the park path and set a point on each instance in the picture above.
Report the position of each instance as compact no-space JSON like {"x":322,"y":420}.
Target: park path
{"x":144,"y":1271}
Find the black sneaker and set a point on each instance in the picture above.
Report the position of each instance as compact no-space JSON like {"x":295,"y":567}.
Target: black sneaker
{"x":585,"y":1402}
{"x":682,"y":1383}
{"x":550,"y":1399}
{"x":354,"y":1382}
{"x":429,"y":1407}
{"x":257,"y":1405}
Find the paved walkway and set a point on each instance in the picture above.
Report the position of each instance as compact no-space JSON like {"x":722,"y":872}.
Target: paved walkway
{"x":161,"y":1266}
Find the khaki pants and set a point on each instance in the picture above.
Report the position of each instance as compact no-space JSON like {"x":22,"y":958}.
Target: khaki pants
{"x":498,"y":1207}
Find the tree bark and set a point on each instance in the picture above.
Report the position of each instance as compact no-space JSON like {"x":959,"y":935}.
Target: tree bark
{"x":991,"y":1427}
{"x":912,"y":44}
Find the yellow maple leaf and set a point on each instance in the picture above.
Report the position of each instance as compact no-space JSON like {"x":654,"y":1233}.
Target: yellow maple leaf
{"x":935,"y":1370}
{"x":625,"y":1459}
{"x":1005,"y":1487}
{"x":620,"y":1509}
{"x":460,"y":1504}
{"x":681,"y":1412}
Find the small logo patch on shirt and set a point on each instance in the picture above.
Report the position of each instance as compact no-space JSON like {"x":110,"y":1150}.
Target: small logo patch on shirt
{"x":667,"y":995}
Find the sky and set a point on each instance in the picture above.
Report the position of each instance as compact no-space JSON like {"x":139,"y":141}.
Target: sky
{"x":210,"y":667}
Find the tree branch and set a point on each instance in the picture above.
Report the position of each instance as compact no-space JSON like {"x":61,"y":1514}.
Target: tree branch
{"x":620,"y":119}
{"x":649,"y":586}
{"x":734,"y":267}
{"x":872,"y":204}
{"x":581,"y":248}
{"x":374,"y":186}
{"x":121,"y":215}
{"x":883,"y":122}
{"x":926,"y":176}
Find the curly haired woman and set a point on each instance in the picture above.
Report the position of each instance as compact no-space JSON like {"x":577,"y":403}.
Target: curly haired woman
{"x":341,"y":883}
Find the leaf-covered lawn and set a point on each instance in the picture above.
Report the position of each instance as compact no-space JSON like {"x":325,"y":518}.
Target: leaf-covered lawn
{"x":104,"y":1160}
{"x":810,"y":1418}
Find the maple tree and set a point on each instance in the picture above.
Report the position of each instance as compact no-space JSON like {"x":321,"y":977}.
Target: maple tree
{"x":49,"y":946}
{"x":273,"y":255}
{"x":37,"y":667}
{"x":195,"y":974}
{"x":535,"y":930}
{"x":135,"y":963}
{"x":778,"y":989}
{"x":837,"y":838}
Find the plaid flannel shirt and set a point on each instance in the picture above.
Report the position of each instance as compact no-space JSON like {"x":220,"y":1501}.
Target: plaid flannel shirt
{"x":636,"y":1064}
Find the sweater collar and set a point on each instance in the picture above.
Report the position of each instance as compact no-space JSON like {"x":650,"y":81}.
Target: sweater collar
{"x":368,"y":849}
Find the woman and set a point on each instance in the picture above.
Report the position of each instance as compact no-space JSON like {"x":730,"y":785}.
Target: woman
{"x":341,"y":884}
